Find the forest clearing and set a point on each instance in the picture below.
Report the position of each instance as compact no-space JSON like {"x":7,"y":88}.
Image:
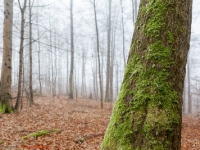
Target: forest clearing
{"x":80,"y":125}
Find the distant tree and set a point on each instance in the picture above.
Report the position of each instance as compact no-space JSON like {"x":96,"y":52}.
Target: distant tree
{"x":147,"y":114}
{"x":123,"y":38}
{"x":72,"y":51}
{"x":107,"y":92}
{"x":189,"y":89}
{"x":6,"y":71}
{"x":30,"y":55}
{"x":39,"y":53}
{"x":98,"y":52}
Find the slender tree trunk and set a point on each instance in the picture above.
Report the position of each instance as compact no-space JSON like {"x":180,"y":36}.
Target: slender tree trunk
{"x":102,"y":79}
{"x":136,"y":10}
{"x":189,"y":93}
{"x":72,"y":52}
{"x":67,"y":87}
{"x":96,"y":78}
{"x":107,"y":92}
{"x":49,"y":70}
{"x":21,"y":52}
{"x":184,"y":97}
{"x":56,"y":69}
{"x":39,"y":51}
{"x":112,"y":63}
{"x":133,"y":11}
{"x":30,"y":55}
{"x":148,"y":112}
{"x":6,"y":70}
{"x":23,"y":87}
{"x":117,"y":80}
{"x":123,"y":38}
{"x":83,"y":74}
{"x":98,"y":54}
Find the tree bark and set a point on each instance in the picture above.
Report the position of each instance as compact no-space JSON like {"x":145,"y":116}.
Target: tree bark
{"x":72,"y":52}
{"x":21,"y":52}
{"x":148,"y":112}
{"x":98,"y":54}
{"x":123,"y":38}
{"x":30,"y":55}
{"x":6,"y":73}
{"x":188,"y":91}
{"x":107,"y":92}
{"x":39,"y":66}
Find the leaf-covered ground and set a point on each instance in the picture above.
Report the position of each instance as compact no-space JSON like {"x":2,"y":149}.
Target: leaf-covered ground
{"x":81,"y":125}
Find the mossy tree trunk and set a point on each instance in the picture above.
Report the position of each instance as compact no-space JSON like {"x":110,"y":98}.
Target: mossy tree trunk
{"x":147,"y":114}
{"x":6,"y":73}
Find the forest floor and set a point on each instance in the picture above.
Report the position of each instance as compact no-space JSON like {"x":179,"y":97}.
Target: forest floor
{"x":72,"y":125}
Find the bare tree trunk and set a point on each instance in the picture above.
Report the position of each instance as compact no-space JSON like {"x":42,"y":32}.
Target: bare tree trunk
{"x":98,"y":54}
{"x":6,"y":70}
{"x":184,"y":97}
{"x":136,"y":10}
{"x":23,"y":87}
{"x":189,"y":92}
{"x":55,"y":69}
{"x":123,"y":38}
{"x":112,"y":63}
{"x":133,"y":11}
{"x":39,"y":51}
{"x":30,"y":55}
{"x":96,"y":78}
{"x":21,"y":52}
{"x":117,"y":80}
{"x":107,"y":92}
{"x":67,"y":87}
{"x":83,"y":73}
{"x":72,"y":52}
{"x":49,"y":70}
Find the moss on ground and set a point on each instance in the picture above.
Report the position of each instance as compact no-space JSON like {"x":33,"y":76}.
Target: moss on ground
{"x":40,"y":133}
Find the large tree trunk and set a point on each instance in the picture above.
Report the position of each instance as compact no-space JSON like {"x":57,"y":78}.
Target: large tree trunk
{"x":147,"y":114}
{"x":6,"y":73}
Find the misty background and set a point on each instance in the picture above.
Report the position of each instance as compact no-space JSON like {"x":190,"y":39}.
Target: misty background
{"x":52,"y":53}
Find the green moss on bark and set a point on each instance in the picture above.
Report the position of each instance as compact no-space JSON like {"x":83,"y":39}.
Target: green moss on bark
{"x":5,"y":108}
{"x":147,"y":108}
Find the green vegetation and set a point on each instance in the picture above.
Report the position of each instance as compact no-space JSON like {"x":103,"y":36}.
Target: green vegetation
{"x":5,"y":109}
{"x":1,"y":142}
{"x":40,"y":133}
